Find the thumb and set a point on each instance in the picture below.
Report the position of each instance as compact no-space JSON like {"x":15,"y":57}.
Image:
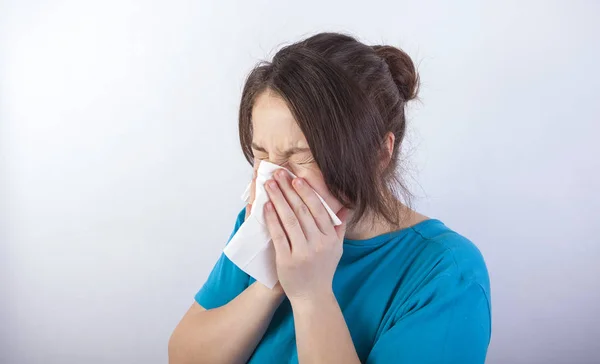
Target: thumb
{"x":341,"y":229}
{"x":248,"y":209}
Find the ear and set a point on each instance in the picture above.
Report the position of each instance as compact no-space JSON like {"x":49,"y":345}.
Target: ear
{"x":387,"y":149}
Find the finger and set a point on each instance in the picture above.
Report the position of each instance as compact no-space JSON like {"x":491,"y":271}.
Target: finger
{"x":280,"y":241}
{"x":340,"y":230}
{"x":253,"y":184}
{"x":248,"y":209}
{"x":318,"y":211}
{"x":290,"y":222}
{"x":252,"y":188}
{"x":303,"y":213}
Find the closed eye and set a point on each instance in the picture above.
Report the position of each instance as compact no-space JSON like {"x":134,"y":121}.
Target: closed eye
{"x":305,"y":161}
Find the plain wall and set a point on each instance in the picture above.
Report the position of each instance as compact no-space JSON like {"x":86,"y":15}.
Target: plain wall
{"x":121,"y":170}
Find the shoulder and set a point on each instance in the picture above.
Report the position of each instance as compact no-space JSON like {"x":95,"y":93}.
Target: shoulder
{"x":442,"y":300}
{"x":461,"y":283}
{"x":447,"y":272}
{"x":457,"y":255}
{"x":443,"y":267}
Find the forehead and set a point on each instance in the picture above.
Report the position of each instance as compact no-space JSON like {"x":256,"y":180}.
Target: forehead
{"x":274,"y":125}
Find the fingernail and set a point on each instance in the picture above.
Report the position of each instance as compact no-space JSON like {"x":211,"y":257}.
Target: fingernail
{"x":298,"y":182}
{"x":281,"y":174}
{"x":269,"y":206}
{"x":272,"y":185}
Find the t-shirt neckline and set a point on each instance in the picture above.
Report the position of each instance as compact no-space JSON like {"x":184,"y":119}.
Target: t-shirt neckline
{"x":390,"y":235}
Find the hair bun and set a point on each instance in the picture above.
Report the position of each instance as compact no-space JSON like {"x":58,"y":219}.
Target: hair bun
{"x":402,"y":69}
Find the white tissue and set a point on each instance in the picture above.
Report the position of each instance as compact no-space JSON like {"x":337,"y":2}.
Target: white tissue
{"x":251,"y":248}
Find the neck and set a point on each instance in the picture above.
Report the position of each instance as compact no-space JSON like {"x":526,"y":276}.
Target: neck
{"x":372,"y":225}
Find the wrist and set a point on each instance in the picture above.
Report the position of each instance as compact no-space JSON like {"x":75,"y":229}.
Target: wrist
{"x":275,"y":295}
{"x":312,"y":303}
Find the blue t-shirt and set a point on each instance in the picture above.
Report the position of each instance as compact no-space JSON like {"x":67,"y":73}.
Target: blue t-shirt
{"x":416,"y":295}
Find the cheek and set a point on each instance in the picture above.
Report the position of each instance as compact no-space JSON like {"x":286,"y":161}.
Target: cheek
{"x":316,"y":181}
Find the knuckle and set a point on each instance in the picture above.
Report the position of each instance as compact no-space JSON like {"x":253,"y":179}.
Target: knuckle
{"x":308,"y":256}
{"x":278,"y":236}
{"x":301,"y":260}
{"x":290,"y":221}
{"x":302,"y":210}
{"x":324,"y":216}
{"x":319,"y":249}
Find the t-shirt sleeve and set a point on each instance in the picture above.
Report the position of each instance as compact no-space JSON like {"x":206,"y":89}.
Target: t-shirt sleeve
{"x":225,"y":281}
{"x":450,"y":323}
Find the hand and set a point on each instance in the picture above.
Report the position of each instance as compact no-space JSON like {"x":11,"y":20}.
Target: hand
{"x":308,"y":247}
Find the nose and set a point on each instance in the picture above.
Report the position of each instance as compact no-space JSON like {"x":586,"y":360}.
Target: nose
{"x":277,"y":160}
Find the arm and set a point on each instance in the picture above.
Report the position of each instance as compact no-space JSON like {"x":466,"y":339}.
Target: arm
{"x":321,"y":332}
{"x":308,"y":249}
{"x":236,"y":320}
{"x":227,"y":334}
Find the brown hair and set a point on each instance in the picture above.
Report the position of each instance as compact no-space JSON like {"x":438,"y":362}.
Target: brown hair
{"x":345,"y":96}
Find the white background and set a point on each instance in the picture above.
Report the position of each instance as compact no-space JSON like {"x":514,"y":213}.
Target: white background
{"x":121,"y":170}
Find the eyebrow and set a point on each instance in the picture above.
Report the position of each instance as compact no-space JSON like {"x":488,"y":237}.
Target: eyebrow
{"x":287,"y":153}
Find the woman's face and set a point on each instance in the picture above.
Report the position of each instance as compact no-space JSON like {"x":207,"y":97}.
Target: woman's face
{"x":278,"y":139}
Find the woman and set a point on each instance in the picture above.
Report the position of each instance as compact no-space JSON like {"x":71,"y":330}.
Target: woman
{"x":389,"y":285}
